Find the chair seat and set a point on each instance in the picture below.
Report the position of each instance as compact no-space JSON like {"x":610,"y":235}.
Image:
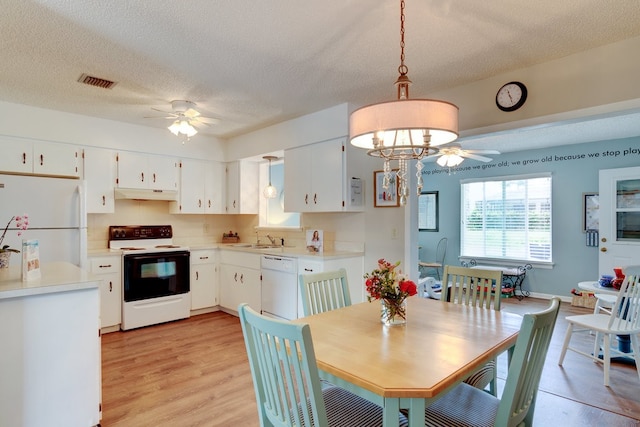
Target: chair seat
{"x":464,"y":406}
{"x":345,"y":409}
{"x":598,"y":322}
{"x":483,"y":376}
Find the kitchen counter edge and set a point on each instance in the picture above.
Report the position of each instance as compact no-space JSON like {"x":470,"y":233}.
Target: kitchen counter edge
{"x":55,"y":277}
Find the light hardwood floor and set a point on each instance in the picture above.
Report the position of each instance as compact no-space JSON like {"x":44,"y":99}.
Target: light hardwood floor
{"x":195,"y":372}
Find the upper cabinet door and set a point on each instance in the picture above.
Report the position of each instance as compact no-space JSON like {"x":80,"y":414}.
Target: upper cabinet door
{"x":314,"y":177}
{"x":16,"y":155}
{"x":242,"y":187}
{"x":142,"y":171}
{"x":99,"y":174}
{"x":214,"y":183}
{"x":56,"y":159}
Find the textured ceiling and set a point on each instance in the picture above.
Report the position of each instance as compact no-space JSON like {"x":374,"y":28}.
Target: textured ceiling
{"x":255,"y":63}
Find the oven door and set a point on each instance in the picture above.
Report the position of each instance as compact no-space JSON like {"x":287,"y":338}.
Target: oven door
{"x":155,"y":275}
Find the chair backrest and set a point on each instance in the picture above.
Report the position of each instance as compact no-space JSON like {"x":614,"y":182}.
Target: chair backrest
{"x":324,"y":291}
{"x":517,"y":403}
{"x":472,"y":286}
{"x":284,"y":371}
{"x":625,"y":314}
{"x":441,"y":250}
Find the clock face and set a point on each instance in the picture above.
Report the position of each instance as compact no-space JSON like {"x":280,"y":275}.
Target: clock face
{"x":511,"y":96}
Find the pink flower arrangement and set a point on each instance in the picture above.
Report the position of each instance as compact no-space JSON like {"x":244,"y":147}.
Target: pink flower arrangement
{"x":388,"y":283}
{"x":22,"y":223}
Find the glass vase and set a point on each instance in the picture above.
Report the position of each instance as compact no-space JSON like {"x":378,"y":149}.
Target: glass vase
{"x":393,"y":312}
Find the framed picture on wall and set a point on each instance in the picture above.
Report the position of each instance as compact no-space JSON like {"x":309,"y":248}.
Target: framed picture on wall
{"x":590,"y":211}
{"x":385,"y":197}
{"x":428,"y":211}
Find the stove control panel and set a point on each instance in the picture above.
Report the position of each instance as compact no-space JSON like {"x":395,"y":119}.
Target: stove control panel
{"x":140,"y":232}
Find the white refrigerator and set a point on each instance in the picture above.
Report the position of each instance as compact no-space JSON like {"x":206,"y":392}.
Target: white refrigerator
{"x":57,"y":216}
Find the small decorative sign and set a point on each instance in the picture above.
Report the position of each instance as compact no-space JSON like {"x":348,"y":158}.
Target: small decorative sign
{"x":30,"y":260}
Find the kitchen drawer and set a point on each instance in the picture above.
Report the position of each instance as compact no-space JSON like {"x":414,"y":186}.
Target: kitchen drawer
{"x":105,"y":265}
{"x":203,"y":256}
{"x":242,"y":259}
{"x":307,"y":266}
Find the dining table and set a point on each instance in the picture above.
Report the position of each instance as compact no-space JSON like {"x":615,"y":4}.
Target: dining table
{"x":408,"y":366}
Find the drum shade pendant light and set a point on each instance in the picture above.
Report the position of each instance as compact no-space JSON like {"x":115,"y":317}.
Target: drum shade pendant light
{"x":404,"y":129}
{"x":270,"y":192}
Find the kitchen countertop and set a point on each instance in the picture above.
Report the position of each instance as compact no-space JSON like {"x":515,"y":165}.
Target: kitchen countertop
{"x":291,"y":251}
{"x":56,"y":277}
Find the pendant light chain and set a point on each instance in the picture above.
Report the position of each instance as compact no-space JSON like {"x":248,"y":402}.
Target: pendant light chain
{"x":402,"y":69}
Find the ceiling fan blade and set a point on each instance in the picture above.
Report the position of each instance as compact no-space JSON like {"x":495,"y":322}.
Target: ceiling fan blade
{"x":160,"y":117}
{"x":475,"y":157}
{"x":207,"y":120}
{"x":482,"y":151}
{"x":191,"y":113}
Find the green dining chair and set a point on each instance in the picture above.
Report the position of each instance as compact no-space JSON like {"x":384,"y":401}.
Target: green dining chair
{"x":324,"y":291}
{"x":465,"y":405}
{"x":478,"y":288}
{"x":286,"y":380}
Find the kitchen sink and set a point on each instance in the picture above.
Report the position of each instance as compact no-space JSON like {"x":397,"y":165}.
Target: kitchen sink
{"x":264,"y":246}
{"x":241,"y":245}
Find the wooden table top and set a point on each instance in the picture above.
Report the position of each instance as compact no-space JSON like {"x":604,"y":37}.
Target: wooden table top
{"x":440,"y":345}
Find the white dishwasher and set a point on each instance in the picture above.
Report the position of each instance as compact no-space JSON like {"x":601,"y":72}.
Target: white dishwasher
{"x":279,"y":287}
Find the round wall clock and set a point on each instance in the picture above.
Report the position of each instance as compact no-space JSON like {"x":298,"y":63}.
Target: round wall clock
{"x":511,"y":96}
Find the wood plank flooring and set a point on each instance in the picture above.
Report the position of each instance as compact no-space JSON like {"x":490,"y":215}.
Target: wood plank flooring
{"x":195,"y":372}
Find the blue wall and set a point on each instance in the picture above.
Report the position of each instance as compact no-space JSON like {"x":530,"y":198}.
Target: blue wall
{"x":574,"y":171}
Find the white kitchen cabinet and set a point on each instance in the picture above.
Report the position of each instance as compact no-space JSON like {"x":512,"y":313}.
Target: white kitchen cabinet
{"x":204,"y":280}
{"x":316,"y":178}
{"x":39,"y":157}
{"x":242,"y":187}
{"x":56,"y":159}
{"x":99,"y":174}
{"x":108,"y":269}
{"x":355,"y":272}
{"x":17,"y":155}
{"x":147,"y":171}
{"x":239,"y":280}
{"x":201,"y":188}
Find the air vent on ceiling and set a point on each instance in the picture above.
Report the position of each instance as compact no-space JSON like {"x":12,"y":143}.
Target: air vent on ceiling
{"x":96,"y":81}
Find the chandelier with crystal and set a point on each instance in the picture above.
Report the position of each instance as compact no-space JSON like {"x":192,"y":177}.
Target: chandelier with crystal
{"x":404,"y":129}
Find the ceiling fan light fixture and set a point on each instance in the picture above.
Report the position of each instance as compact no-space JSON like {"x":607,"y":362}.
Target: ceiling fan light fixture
{"x":404,"y":129}
{"x":182,"y":126}
{"x":449,"y":160}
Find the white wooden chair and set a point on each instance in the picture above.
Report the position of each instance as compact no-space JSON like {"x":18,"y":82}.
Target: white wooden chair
{"x":623,"y":320}
{"x":478,"y":288}
{"x":438,"y":262}
{"x":287,"y":383}
{"x":324,"y":291}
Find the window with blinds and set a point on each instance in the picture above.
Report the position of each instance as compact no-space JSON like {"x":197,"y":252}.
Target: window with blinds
{"x":507,"y":218}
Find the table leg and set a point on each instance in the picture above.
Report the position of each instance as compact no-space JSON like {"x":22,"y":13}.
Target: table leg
{"x":390,"y":412}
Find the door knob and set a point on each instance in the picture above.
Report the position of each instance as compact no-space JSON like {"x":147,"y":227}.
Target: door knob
{"x":603,"y":249}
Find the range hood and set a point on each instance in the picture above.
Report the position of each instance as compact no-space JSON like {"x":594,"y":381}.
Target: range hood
{"x":145,"y":194}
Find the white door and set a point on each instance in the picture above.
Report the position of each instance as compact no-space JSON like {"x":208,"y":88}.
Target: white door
{"x":619,"y":196}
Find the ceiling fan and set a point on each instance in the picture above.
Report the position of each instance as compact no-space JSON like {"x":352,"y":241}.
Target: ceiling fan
{"x":452,"y":154}
{"x":185,"y":118}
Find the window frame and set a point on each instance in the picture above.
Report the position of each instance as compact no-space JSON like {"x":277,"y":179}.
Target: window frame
{"x":541,"y":242}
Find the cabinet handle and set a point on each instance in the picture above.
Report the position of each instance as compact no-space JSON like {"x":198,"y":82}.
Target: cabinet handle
{"x":235,"y":277}
{"x":142,"y":176}
{"x":41,"y":159}
{"x":199,"y":203}
{"x":306,"y":199}
{"x":315,"y":198}
{"x":154,"y":177}
{"x":110,"y":286}
{"x":234,"y":203}
{"x":24,"y":158}
{"x":197,"y":275}
{"x":209,"y":203}
{"x":242,"y":278}
{"x":105,"y":266}
{"x":204,"y":257}
{"x":104,"y":200}
{"x":308,"y":269}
